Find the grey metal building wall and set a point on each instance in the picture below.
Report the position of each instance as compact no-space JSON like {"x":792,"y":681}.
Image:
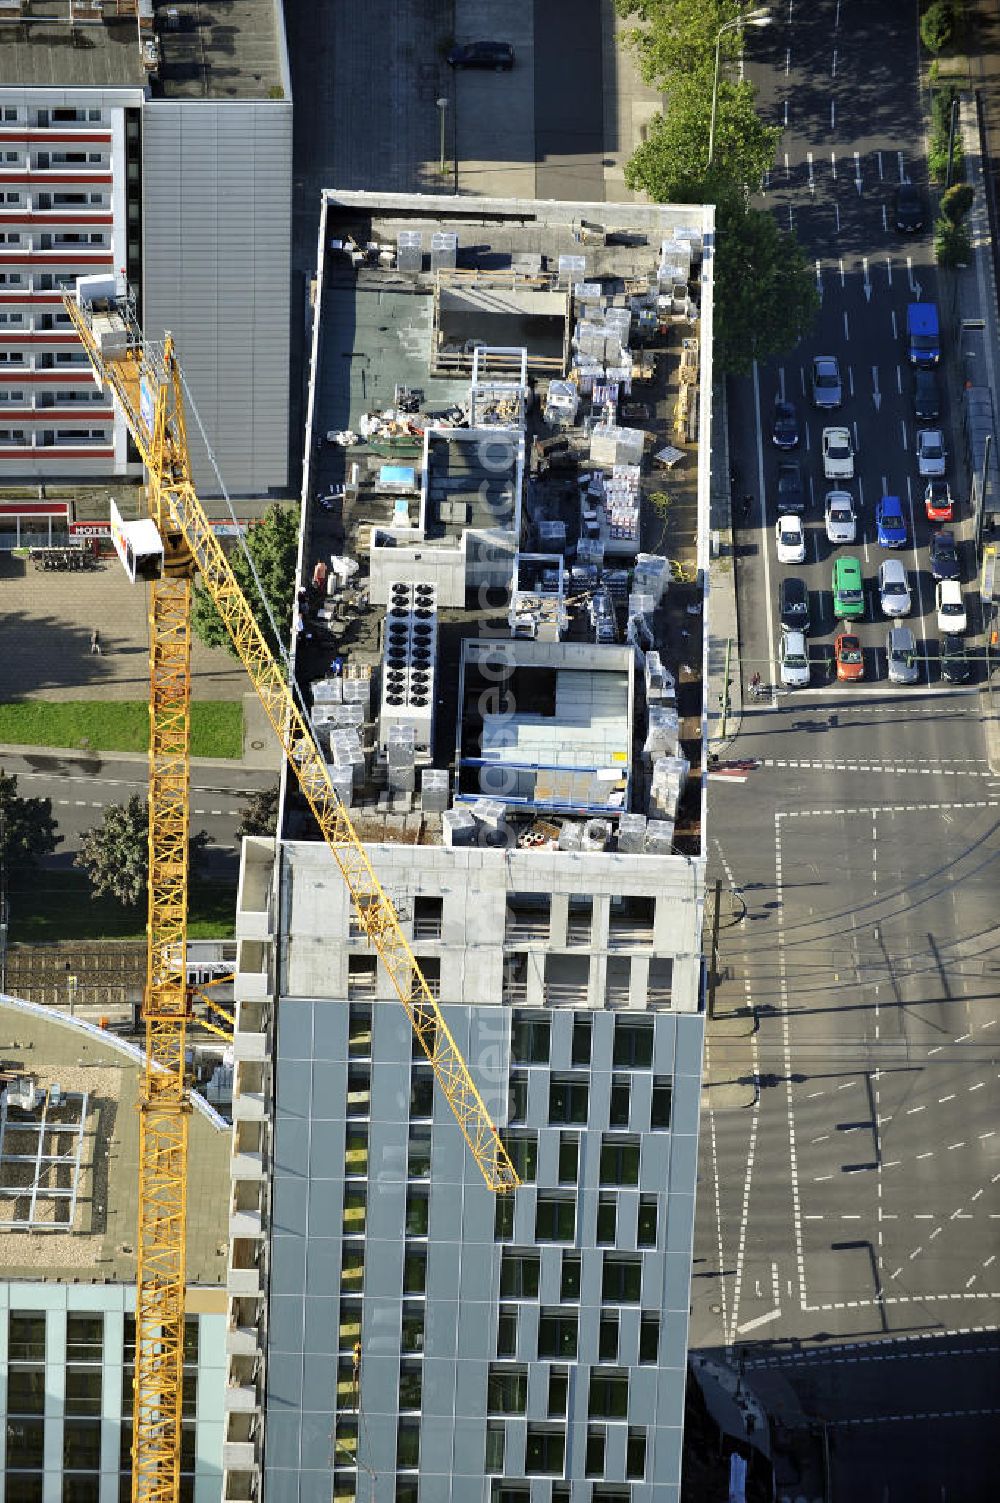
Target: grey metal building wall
{"x":217,"y":182}
{"x":348,"y":1262}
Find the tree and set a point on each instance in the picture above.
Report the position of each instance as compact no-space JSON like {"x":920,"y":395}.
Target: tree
{"x":957,"y":201}
{"x":273,"y":545}
{"x":671,"y":165}
{"x":952,"y":245}
{"x":260,"y":813}
{"x":27,"y":828}
{"x":764,"y":296}
{"x":675,"y":37}
{"x":115,"y":853}
{"x":936,"y":25}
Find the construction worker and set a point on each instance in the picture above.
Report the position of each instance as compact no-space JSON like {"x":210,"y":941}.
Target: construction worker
{"x":95,"y":642}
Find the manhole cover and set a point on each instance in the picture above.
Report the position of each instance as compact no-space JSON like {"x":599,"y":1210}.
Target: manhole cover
{"x":257,"y":745}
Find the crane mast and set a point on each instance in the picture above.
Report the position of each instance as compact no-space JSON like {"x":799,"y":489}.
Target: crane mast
{"x":145,"y":381}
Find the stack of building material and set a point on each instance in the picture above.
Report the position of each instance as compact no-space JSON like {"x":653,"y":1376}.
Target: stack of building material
{"x":663,"y":739}
{"x":458,"y":826}
{"x":571,"y":837}
{"x":611,"y":445}
{"x":661,"y":687}
{"x":348,"y":753}
{"x":659,"y":837}
{"x":342,"y":779}
{"x":562,"y":403}
{"x":328,"y":691}
{"x":401,"y":756}
{"x":632,"y":834}
{"x":434,"y":790}
{"x":552,"y":536}
{"x":669,"y":777}
{"x":596,"y":835}
{"x":652,"y":575}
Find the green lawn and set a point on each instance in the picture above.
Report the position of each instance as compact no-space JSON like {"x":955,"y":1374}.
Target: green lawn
{"x":118,"y":725}
{"x":49,"y":906}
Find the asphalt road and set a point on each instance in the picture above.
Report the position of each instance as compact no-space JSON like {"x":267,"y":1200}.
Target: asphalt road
{"x":848,"y":1224}
{"x":81,"y":788}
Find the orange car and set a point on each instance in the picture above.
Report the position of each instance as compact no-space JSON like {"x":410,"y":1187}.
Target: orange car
{"x":849,"y":657}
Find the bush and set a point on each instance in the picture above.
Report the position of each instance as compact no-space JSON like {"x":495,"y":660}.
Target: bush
{"x":952,"y":245}
{"x":937,"y":153}
{"x":957,"y":202}
{"x":936,"y":25}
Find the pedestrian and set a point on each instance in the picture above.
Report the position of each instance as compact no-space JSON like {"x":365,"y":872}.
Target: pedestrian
{"x":95,"y":642}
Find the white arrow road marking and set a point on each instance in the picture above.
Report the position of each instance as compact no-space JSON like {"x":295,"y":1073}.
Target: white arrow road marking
{"x":868,"y":285}
{"x":876,"y":394}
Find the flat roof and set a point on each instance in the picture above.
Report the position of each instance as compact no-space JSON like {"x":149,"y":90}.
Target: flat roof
{"x":417,"y":298}
{"x":210,"y":49}
{"x":100,"y":1244}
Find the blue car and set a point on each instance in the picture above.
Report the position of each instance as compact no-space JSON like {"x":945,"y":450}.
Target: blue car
{"x":890,"y":523}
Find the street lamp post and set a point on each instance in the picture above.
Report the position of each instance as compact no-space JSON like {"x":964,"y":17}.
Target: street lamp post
{"x":442,"y":105}
{"x":752,"y":18}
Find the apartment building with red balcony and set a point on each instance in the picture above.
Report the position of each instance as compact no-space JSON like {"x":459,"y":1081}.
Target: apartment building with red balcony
{"x":153,"y":141}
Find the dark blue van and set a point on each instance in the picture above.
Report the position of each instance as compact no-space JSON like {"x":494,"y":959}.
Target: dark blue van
{"x":923,"y":334}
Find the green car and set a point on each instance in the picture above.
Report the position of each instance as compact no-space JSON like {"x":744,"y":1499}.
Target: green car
{"x":848,"y":590}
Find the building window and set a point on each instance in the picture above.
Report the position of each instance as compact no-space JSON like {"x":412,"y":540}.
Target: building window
{"x":361,"y":979}
{"x":82,"y":1445}
{"x":569,"y":1287}
{"x":415,"y":1270}
{"x":408,"y":1444}
{"x":421,"y":1092}
{"x":608,"y":1338}
{"x":633,"y":1047}
{"x":523,"y":1150}
{"x":349,"y":1329}
{"x":527,"y":917}
{"x":635,"y":1455}
{"x":607,"y":1220}
{"x":26,"y":1336}
{"x":529,"y":1039}
{"x":506,"y":1493}
{"x":507,"y":1331}
{"x":558,"y":1392}
{"x":557,"y":1334}
{"x":410,"y":1384}
{"x":649,"y":1337}
{"x":619,"y":1160}
{"x":430,"y":969}
{"x":506,"y":1390}
{"x":659,"y":992}
{"x":646,"y":1229}
{"x":356,"y":1151}
{"x":418,"y":1210}
{"x":581,"y":917}
{"x":594,"y":1462}
{"x":608,"y":1395}
{"x":569,"y":1098}
{"x":569,"y":1157}
{"x":659,"y":1112}
{"x":621,"y":1279}
{"x":544,"y":1450}
{"x":519,"y":1275}
{"x":582,"y":1029}
{"x":26,"y":1390}
{"x":555,"y":1217}
{"x":355,"y":1205}
{"x":11,"y":435}
{"x":419,"y":1163}
{"x":359,"y":1031}
{"x":503,"y":1219}
{"x":83,"y":1392}
{"x":618,"y":982}
{"x":412,"y":1329}
{"x":85,"y":1487}
{"x":494,"y":1446}
{"x":619,"y":1101}
{"x":359,"y":1091}
{"x":517,"y":1096}
{"x":428,"y":917}
{"x":352,"y":1267}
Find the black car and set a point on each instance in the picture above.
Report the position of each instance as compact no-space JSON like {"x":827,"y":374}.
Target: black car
{"x":955,"y":665}
{"x":944,"y":556}
{"x":793,"y":603}
{"x":785,"y":428}
{"x":498,"y":55}
{"x":910,"y":213}
{"x":791,"y":496}
{"x":926,"y":397}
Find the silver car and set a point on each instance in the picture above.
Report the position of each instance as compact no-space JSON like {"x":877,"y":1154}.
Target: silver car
{"x":901,"y":653}
{"x":893,"y":588}
{"x":793,"y":660}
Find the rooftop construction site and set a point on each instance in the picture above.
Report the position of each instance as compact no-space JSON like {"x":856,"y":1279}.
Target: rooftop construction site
{"x":500,"y":630}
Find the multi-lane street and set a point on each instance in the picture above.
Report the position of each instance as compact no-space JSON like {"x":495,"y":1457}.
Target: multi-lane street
{"x":849,"y":1221}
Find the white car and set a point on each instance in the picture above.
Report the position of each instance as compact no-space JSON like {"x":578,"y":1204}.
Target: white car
{"x":841,"y":522}
{"x":951,"y":617}
{"x":793,"y":660}
{"x":790,"y":539}
{"x":931,"y":453}
{"x":838,"y":454}
{"x":893,"y":588}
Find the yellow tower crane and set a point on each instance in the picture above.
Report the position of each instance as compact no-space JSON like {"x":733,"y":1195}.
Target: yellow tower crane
{"x":145,"y":380}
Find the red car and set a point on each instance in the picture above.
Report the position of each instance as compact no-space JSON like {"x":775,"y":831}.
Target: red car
{"x":939,"y":502}
{"x":849,"y":657}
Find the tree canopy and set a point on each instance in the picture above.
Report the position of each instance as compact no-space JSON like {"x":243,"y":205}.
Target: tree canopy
{"x":27,"y":828}
{"x":115,"y":853}
{"x":260,"y":812}
{"x":273,"y":545}
{"x":765,"y":298}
